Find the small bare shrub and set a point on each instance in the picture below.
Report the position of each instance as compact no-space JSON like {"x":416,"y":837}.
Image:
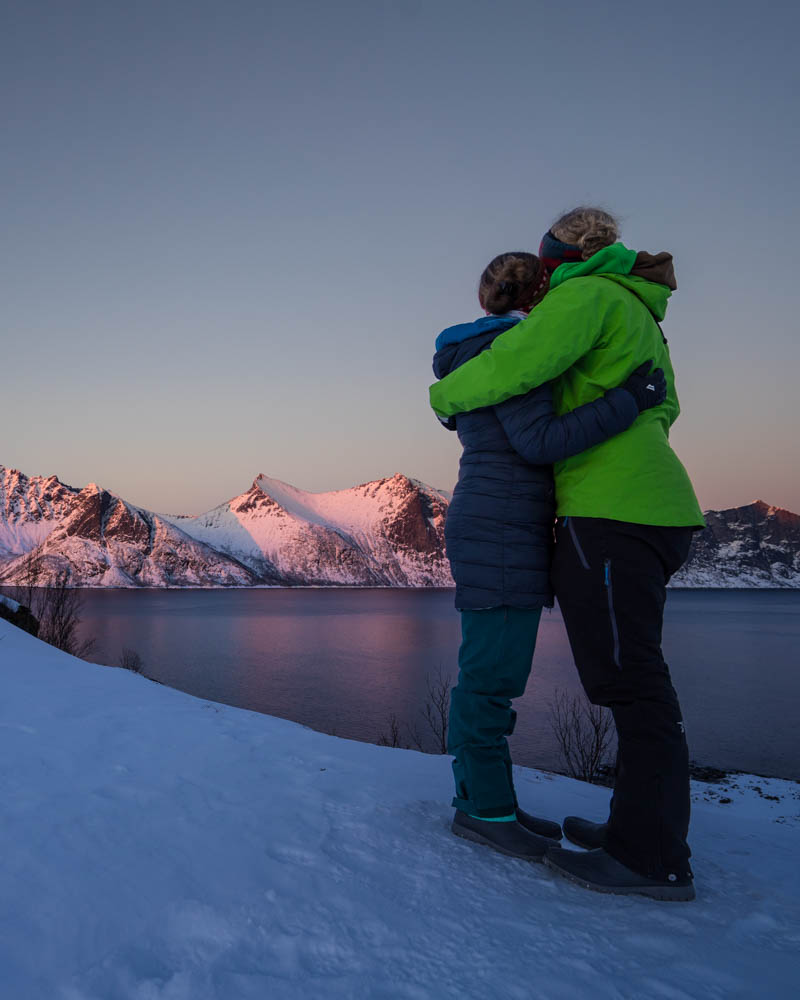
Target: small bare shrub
{"x":585,"y":735}
{"x":131,"y":660}
{"x":435,"y":713}
{"x":392,"y":738}
{"x":437,"y":707}
{"x":62,"y":607}
{"x":54,"y":603}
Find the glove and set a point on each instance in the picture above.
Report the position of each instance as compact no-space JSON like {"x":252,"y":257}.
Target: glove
{"x":647,"y":389}
{"x":449,"y":423}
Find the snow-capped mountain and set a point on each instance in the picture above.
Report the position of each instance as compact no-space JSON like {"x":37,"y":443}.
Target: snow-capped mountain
{"x":384,"y":533}
{"x":751,"y":546}
{"x":388,"y":533}
{"x":29,"y":509}
{"x":105,"y":542}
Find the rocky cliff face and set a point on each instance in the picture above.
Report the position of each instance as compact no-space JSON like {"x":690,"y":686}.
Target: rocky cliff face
{"x":105,"y":542}
{"x":385,"y":533}
{"x":30,"y":507}
{"x":752,"y":546}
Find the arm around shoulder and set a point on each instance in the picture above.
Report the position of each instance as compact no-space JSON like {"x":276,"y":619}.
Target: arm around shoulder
{"x":541,"y":437}
{"x":561,"y":329}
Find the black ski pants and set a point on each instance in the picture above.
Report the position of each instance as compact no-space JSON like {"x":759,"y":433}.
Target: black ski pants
{"x":610,"y":579}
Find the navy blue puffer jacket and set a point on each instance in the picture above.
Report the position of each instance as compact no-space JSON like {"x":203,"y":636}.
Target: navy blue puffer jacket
{"x":499,"y":529}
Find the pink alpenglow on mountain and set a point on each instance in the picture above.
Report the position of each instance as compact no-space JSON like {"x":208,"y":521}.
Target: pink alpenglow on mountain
{"x":29,"y":509}
{"x":105,"y":542}
{"x":387,"y":533}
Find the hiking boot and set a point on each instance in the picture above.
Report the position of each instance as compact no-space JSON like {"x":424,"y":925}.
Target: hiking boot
{"x":509,"y":838}
{"x":541,"y":827}
{"x":597,"y":870}
{"x":584,"y":833}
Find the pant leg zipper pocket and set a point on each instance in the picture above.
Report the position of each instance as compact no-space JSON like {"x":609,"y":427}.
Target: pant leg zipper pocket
{"x":573,"y":534}
{"x":611,"y":612}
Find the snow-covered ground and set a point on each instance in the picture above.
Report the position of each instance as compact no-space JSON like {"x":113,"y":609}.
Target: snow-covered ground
{"x":154,"y":846}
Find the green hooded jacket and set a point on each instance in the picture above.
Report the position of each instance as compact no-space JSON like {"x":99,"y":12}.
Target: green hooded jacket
{"x":592,"y":329}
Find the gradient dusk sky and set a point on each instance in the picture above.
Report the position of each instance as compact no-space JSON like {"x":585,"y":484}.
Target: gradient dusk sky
{"x":234,"y":229}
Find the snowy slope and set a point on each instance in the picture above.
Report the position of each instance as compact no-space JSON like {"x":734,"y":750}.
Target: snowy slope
{"x":158,"y":847}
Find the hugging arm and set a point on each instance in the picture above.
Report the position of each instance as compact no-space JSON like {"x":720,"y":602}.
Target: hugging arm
{"x":534,"y":430}
{"x":559,"y":331}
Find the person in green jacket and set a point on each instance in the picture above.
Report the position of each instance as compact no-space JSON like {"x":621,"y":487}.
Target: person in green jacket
{"x":626,"y":512}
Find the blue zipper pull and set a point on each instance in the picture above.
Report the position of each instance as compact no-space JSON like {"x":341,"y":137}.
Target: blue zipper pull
{"x":608,"y":569}
{"x":565,"y":520}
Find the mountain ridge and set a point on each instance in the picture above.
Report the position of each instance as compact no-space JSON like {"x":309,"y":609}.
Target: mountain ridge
{"x":383,"y":533}
{"x":388,"y":532}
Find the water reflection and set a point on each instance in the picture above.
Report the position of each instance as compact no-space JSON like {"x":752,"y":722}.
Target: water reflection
{"x":344,"y":661}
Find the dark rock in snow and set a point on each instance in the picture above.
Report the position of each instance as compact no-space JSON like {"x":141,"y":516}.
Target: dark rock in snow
{"x":18,"y":615}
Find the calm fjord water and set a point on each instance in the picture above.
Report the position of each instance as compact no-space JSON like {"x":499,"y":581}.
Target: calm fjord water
{"x":343,"y":661}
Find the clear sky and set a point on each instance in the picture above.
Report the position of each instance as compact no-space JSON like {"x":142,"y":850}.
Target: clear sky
{"x":232,"y":230}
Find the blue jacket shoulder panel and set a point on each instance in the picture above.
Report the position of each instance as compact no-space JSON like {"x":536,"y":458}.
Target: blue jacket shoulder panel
{"x":495,"y":325}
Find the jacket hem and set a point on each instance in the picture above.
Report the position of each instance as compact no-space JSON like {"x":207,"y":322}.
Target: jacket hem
{"x":689,"y":521}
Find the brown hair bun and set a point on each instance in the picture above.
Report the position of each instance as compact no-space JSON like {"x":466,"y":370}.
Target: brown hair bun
{"x":515,"y":280}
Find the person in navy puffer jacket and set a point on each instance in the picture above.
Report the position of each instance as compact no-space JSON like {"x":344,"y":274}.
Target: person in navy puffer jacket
{"x":499,"y":537}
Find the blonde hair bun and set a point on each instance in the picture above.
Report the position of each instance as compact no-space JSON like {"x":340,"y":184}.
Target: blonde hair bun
{"x":590,"y":229}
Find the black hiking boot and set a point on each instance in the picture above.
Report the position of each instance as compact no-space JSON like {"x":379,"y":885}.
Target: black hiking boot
{"x":509,"y":838}
{"x":541,"y":827}
{"x":584,"y":833}
{"x":597,"y":870}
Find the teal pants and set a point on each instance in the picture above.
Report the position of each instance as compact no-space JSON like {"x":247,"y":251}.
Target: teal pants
{"x":494,"y":663}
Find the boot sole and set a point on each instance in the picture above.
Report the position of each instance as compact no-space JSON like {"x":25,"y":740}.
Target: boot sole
{"x":582,"y":843}
{"x":555,"y":838}
{"x":476,"y":838}
{"x":664,"y":893}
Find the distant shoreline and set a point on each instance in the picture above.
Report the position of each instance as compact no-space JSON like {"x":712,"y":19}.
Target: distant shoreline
{"x":352,"y":586}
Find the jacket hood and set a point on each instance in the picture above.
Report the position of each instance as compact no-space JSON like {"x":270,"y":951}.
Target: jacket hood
{"x":658,"y":267}
{"x":460,"y":343}
{"x":650,"y":277}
